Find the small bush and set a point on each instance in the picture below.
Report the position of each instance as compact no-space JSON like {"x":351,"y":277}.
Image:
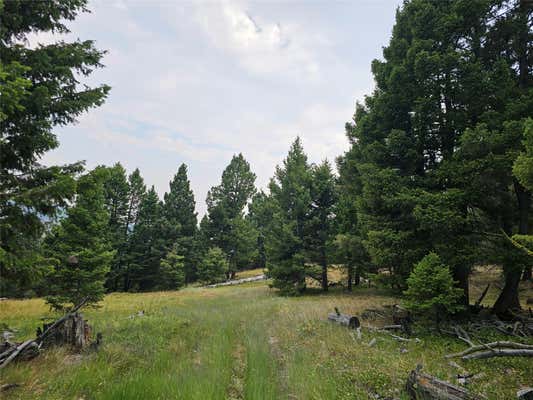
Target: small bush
{"x":213,"y":267}
{"x":431,"y":289}
{"x":172,"y":272}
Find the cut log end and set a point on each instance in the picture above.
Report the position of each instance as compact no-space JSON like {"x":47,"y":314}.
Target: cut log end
{"x":350,"y":321}
{"x":525,"y":394}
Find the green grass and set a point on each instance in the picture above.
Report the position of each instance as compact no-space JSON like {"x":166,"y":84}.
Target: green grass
{"x":240,"y":342}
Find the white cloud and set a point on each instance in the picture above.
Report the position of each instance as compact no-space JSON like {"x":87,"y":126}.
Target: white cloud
{"x":261,"y":47}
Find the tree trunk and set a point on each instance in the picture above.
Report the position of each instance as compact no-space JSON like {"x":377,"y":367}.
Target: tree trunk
{"x":324,"y":271}
{"x":127,"y":280}
{"x":74,"y":331}
{"x":460,"y":275}
{"x":508,"y":298}
{"x":350,"y":273}
{"x":357,"y":280}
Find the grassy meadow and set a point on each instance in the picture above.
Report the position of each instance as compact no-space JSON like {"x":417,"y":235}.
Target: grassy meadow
{"x":241,"y":342}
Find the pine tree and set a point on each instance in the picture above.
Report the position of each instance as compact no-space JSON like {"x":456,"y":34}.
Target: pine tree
{"x":179,"y":203}
{"x":147,"y":246}
{"x":119,"y":276}
{"x":80,"y":247}
{"x":290,"y":190}
{"x":523,"y":165}
{"x":225,"y":206}
{"x":41,"y":89}
{"x":417,"y":140}
{"x":116,"y":189}
{"x":242,"y":245}
{"x":320,"y":227}
{"x":348,"y":244}
{"x":260,"y":214}
{"x":431,"y":289}
{"x":137,"y":191}
{"x":235,"y":190}
{"x":523,"y":171}
{"x":181,"y":220}
{"x":213,"y":267}
{"x":172,"y":270}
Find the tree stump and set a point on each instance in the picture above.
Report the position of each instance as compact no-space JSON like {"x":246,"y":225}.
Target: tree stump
{"x":73,"y":331}
{"x":401,"y":316}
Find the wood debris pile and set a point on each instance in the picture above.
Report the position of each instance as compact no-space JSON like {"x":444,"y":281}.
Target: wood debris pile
{"x":69,"y":330}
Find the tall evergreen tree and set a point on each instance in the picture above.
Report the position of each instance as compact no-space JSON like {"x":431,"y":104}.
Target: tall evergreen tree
{"x":116,"y":190}
{"x":423,"y":186}
{"x":179,"y":204}
{"x":320,"y":227}
{"x":349,"y":246}
{"x":290,"y":189}
{"x":40,"y":90}
{"x":483,"y":162}
{"x":226,"y":204}
{"x":181,"y":223}
{"x":523,"y":171}
{"x":260,"y":213}
{"x":242,"y":245}
{"x":80,"y":246}
{"x":147,"y":246}
{"x":136,"y":190}
{"x":235,"y":190}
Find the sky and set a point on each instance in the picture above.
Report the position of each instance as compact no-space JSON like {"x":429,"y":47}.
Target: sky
{"x":196,"y":82}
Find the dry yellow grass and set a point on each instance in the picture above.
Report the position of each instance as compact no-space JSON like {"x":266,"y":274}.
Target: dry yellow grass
{"x":249,"y":273}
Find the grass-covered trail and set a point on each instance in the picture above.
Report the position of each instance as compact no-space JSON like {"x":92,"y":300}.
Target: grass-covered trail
{"x":240,"y":342}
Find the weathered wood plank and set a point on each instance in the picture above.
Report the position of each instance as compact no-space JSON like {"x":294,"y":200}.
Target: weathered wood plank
{"x":421,"y":386}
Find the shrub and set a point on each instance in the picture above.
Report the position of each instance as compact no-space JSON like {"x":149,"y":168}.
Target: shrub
{"x":214,"y":266}
{"x":172,"y":270}
{"x":431,"y":289}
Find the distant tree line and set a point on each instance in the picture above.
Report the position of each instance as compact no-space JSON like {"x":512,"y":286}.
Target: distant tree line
{"x":437,"y":178}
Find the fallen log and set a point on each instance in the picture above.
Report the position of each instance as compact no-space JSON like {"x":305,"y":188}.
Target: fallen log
{"x":402,"y":339}
{"x":493,"y":345}
{"x":8,"y":386}
{"x":525,"y":394}
{"x":20,"y":348}
{"x":499,"y":353}
{"x":350,"y":321}
{"x":238,"y":281}
{"x":392,"y":327}
{"x":421,"y":386}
